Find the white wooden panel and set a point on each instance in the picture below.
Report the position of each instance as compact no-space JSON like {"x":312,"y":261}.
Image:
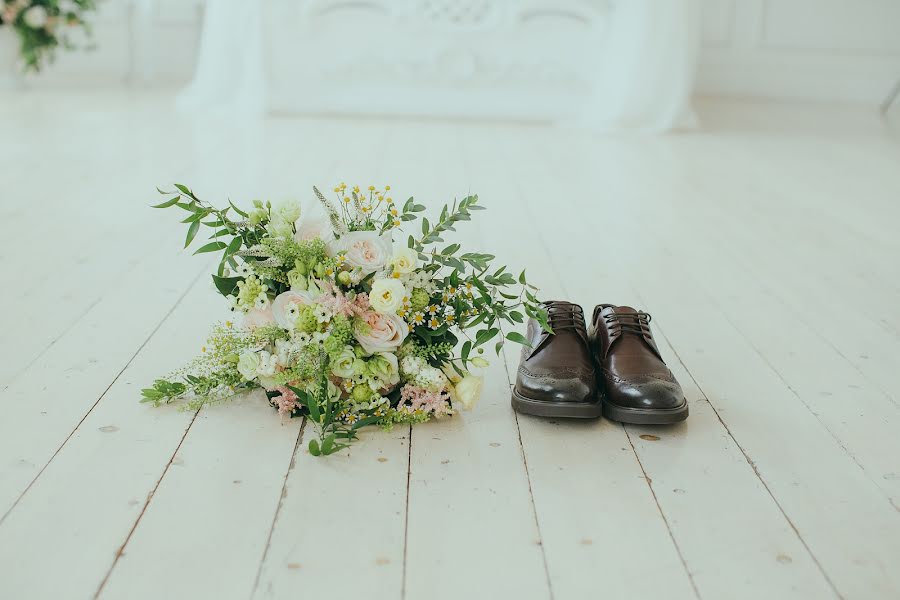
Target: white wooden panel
{"x":718,"y":22}
{"x":832,"y":26}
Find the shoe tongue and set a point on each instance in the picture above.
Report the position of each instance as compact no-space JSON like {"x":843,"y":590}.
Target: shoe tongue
{"x":623,"y":310}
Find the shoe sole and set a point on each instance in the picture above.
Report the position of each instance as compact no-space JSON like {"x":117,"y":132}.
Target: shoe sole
{"x":570,"y":410}
{"x":645,"y":416}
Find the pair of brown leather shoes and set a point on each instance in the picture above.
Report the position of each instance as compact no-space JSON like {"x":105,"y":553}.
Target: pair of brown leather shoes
{"x":615,"y":370}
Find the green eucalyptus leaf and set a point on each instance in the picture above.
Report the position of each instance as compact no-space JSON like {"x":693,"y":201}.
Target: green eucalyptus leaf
{"x":192,"y":233}
{"x":211,"y":247}
{"x":515,"y":336}
{"x":167,"y":203}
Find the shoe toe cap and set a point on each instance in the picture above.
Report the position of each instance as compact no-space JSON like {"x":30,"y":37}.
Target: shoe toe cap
{"x":647,"y":393}
{"x":557,"y":390}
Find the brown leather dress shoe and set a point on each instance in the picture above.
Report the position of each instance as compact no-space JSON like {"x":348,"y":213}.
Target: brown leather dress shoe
{"x":556,"y":375}
{"x":639,"y":388}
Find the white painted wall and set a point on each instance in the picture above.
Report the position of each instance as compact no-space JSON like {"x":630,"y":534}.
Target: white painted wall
{"x":838,"y":50}
{"x":826,"y":50}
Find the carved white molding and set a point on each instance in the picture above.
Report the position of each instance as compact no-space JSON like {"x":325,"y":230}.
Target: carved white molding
{"x":436,"y":57}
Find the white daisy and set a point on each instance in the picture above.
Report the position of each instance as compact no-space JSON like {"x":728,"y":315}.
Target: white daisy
{"x":323,"y":313}
{"x":244,"y":270}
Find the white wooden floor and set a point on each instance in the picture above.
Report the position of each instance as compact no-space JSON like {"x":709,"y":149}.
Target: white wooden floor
{"x":765,"y":247}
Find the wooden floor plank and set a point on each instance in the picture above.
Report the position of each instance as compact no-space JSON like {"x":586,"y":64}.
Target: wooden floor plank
{"x":362,"y":492}
{"x":85,"y":361}
{"x":85,"y":503}
{"x":764,"y":246}
{"x":586,"y":481}
{"x":470,"y":509}
{"x":223,"y":486}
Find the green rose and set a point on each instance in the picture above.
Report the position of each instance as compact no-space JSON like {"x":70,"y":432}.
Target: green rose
{"x":342,"y":365}
{"x":247,"y":365}
{"x":383,"y":367}
{"x":359,"y":367}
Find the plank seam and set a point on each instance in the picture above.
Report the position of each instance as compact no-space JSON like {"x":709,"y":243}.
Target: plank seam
{"x":755,"y":469}
{"x":290,"y":469}
{"x":102,"y":396}
{"x":661,"y":512}
{"x":406,"y":512}
{"x":537,"y":522}
{"x":809,"y":408}
{"x":140,"y":516}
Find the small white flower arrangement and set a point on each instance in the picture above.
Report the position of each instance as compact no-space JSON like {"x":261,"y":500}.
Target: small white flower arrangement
{"x":43,"y":26}
{"x":340,"y":321}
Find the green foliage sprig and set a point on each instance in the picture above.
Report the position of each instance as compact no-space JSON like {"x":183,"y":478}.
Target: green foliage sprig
{"x":42,"y":26}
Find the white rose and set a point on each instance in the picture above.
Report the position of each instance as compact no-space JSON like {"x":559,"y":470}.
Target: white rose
{"x":366,"y":250}
{"x":468,"y":390}
{"x":282,"y":303}
{"x":404,"y":260}
{"x":342,"y":364}
{"x":258,"y":317}
{"x":36,"y":17}
{"x":247,"y":365}
{"x":289,"y":210}
{"x":387,"y":295}
{"x":278,"y":227}
{"x":381,"y":332}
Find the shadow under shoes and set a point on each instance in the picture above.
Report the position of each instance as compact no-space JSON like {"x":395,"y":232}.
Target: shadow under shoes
{"x":556,"y":376}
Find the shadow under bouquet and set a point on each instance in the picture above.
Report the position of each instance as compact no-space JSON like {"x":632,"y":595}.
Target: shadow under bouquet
{"x":343,"y":319}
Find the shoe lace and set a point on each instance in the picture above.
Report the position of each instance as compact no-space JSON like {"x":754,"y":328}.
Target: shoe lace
{"x":637,"y":322}
{"x":564,"y":316}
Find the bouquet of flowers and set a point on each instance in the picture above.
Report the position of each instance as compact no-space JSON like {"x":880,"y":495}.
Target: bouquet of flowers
{"x":342,"y":320}
{"x":42,"y":25}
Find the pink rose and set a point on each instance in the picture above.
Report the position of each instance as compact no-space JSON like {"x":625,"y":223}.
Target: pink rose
{"x":366,"y":250}
{"x":284,"y":302}
{"x":384,"y":332}
{"x":311,"y":229}
{"x":257,"y":317}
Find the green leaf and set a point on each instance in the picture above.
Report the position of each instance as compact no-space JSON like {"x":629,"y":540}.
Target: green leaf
{"x":167,"y":203}
{"x":237,"y":210}
{"x":234,"y":246}
{"x":467,"y":347}
{"x":364,"y":422}
{"x":194,"y":217}
{"x":183,"y":189}
{"x":328,"y":444}
{"x":314,"y":410}
{"x":314,"y":447}
{"x":515,"y":336}
{"x":226,"y":285}
{"x":485,"y":335}
{"x":211,"y":247}
{"x":192,"y":233}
